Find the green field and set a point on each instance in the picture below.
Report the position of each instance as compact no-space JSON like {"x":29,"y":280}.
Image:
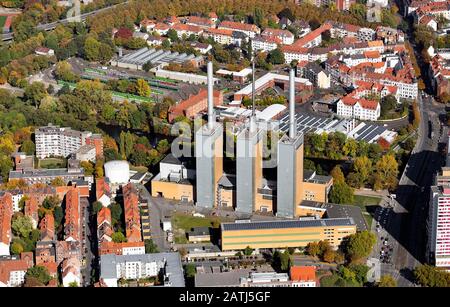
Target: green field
{"x":182,"y":223}
{"x":368,"y":205}
{"x":52,"y":163}
{"x":2,"y":21}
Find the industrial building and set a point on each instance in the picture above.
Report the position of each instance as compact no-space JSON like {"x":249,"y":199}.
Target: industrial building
{"x":209,"y":153}
{"x":285,"y":233}
{"x":138,"y":58}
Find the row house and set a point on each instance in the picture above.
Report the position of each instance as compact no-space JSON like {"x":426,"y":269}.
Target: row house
{"x":72,"y":230}
{"x":358,"y":108}
{"x":265,"y":43}
{"x":6,"y":212}
{"x":31,"y":210}
{"x":285,"y":37}
{"x":220,"y":36}
{"x":104,"y":225}
{"x":439,"y":74}
{"x":122,"y":248}
{"x":202,"y":22}
{"x":248,"y":29}
{"x":12,"y":272}
{"x":132,"y":213}
{"x":187,"y":30}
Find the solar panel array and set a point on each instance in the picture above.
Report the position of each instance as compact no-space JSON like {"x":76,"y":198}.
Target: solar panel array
{"x":288,"y":224}
{"x":145,"y":55}
{"x":307,"y":123}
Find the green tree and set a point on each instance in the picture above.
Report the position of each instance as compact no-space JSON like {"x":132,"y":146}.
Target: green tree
{"x":248,"y":251}
{"x":16,"y":248}
{"x":21,"y":225}
{"x":40,"y":273}
{"x":190,"y":270}
{"x":337,"y":174}
{"x":92,"y":49}
{"x":430,"y":276}
{"x":28,"y":147}
{"x":118,"y":237}
{"x":360,"y":245}
{"x":58,"y":216}
{"x":97,"y":206}
{"x":387,"y":281}
{"x":362,"y":166}
{"x":387,"y":172}
{"x":58,"y":182}
{"x":313,"y":249}
{"x":341,"y":193}
{"x":150,"y":247}
{"x":35,"y":92}
{"x":276,"y":56}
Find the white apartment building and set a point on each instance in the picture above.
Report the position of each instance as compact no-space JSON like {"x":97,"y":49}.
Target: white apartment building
{"x":362,"y":109}
{"x":286,"y":37}
{"x":439,"y":226}
{"x":114,"y":267}
{"x":13,"y":273}
{"x":264,"y":43}
{"x":220,"y":36}
{"x":58,"y":141}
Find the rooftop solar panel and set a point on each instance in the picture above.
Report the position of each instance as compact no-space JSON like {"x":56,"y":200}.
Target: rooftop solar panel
{"x":288,"y":224}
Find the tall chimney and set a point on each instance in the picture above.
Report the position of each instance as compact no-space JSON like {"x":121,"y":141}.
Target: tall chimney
{"x":252,"y":118}
{"x":210,"y":95}
{"x":292,"y":121}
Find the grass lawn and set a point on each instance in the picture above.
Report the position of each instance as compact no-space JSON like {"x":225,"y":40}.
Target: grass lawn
{"x":183,"y":223}
{"x":2,"y":21}
{"x":53,"y":163}
{"x":368,"y":205}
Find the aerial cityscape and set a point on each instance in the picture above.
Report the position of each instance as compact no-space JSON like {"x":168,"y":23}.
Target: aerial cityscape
{"x":206,"y":143}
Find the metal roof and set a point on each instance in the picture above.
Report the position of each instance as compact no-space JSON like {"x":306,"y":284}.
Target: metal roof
{"x":288,"y":224}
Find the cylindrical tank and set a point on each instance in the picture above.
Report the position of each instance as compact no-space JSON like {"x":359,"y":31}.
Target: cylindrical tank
{"x":117,"y":171}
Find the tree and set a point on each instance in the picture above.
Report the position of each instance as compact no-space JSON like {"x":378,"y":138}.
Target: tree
{"x":430,"y":276}
{"x":118,"y":237}
{"x":92,"y":49}
{"x":116,"y":212}
{"x":28,"y":147}
{"x":329,"y":255}
{"x":73,"y":284}
{"x":313,"y":249}
{"x":21,"y":225}
{"x":276,"y":56}
{"x":57,"y":182}
{"x":190,"y":270}
{"x":172,"y":35}
{"x":40,"y":273}
{"x":50,"y":202}
{"x":350,"y":147}
{"x":97,"y":206}
{"x":248,"y":251}
{"x":150,"y":247}
{"x":360,"y":245}
{"x":88,"y":168}
{"x":99,"y":168}
{"x":362,"y":166}
{"x":341,"y":193}
{"x":16,"y":248}
{"x":35,"y":92}
{"x":337,"y":174}
{"x":387,"y":281}
{"x":387,"y":172}
{"x":58,"y":216}
{"x":142,"y":88}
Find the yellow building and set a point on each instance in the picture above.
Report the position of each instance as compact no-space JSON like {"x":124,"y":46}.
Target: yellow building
{"x":174,"y":180}
{"x":316,"y":187}
{"x":285,"y":233}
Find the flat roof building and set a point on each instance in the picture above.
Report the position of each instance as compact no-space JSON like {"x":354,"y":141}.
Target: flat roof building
{"x":285,"y":233}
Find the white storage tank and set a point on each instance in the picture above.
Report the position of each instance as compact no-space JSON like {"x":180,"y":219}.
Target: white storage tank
{"x":117,"y":171}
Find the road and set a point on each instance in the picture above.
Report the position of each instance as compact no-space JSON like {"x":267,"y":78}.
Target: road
{"x":52,"y":25}
{"x":406,"y":223}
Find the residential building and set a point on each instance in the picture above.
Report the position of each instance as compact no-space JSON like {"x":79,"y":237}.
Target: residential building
{"x":285,"y":37}
{"x":265,"y":43}
{"x":103,"y":191}
{"x":270,"y":279}
{"x":115,"y":267}
{"x":104,"y":225}
{"x":202,"y":22}
{"x":44,"y":51}
{"x":131,"y":213}
{"x":317,"y":75}
{"x":6,"y":212}
{"x":47,"y":227}
{"x":123,"y":248}
{"x":186,"y":30}
{"x":359,"y":108}
{"x":31,"y":210}
{"x":12,"y":272}
{"x":72,"y":221}
{"x":220,"y":36}
{"x":71,"y":272}
{"x":67,"y":249}
{"x":303,"y":276}
{"x":61,"y":142}
{"x":248,"y":29}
